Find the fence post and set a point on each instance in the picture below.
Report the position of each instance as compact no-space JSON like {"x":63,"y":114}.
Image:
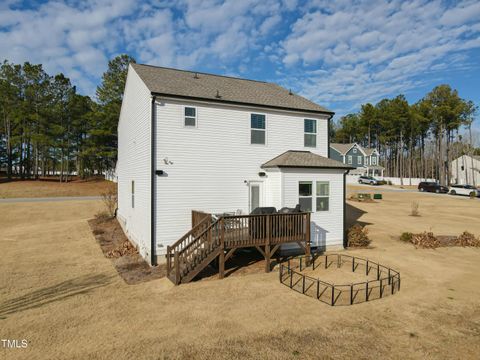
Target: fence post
{"x":353,"y":264}
{"x":313,"y":262}
{"x":303,"y":284}
{"x":300,"y":264}
{"x":366,"y":291}
{"x":318,"y":289}
{"x":351,"y":294}
{"x":389,"y":279}
{"x":381,"y":288}
{"x":291,"y":279}
{"x":333,"y":295}
{"x":221,"y":259}
{"x":392,"y":286}
{"x":339,"y":260}
{"x":326,"y":261}
{"x":398,"y":282}
{"x":378,"y":271}
{"x":281,"y":270}
{"x":366,"y":269}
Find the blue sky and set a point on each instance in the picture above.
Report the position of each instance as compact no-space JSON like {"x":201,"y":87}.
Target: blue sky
{"x":337,"y":53}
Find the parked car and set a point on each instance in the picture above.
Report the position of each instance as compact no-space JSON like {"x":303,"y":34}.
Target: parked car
{"x":369,"y":180}
{"x":432,"y":187}
{"x":468,"y":190}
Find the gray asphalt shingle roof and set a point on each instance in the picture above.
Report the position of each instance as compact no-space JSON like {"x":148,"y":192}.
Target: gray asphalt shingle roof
{"x":185,"y":84}
{"x":304,"y":159}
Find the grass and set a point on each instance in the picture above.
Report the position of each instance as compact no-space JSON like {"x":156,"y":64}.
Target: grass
{"x":58,"y":288}
{"x":51,"y":187}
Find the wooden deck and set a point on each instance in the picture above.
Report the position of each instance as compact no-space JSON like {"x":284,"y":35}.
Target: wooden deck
{"x":210,"y":238}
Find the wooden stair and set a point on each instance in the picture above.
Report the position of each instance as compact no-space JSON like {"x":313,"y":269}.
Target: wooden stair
{"x":194,"y":251}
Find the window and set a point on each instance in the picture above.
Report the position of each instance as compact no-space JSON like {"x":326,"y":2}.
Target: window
{"x":257,"y":132}
{"x":349,"y":159}
{"x":133,"y":194}
{"x":305,"y":195}
{"x":374,"y":160}
{"x":354,"y":150}
{"x":359,"y":159}
{"x":190,"y":116}
{"x":323,"y":193}
{"x":310,"y":130}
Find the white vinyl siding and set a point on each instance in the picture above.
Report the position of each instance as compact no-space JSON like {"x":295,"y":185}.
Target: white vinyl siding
{"x":133,"y":165}
{"x":209,"y":169}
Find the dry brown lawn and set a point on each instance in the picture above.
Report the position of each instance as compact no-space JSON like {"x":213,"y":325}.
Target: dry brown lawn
{"x":53,"y":188}
{"x":60,"y":293}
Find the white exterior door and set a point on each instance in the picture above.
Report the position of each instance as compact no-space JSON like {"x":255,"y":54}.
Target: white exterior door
{"x":255,"y":195}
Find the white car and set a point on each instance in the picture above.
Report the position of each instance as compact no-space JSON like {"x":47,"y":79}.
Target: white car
{"x":468,"y":190}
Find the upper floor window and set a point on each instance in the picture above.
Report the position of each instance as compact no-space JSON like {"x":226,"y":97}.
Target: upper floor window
{"x":359,"y":159}
{"x":349,"y":159}
{"x":257,"y":129}
{"x":374,"y":160}
{"x":190,"y":116}
{"x":354,"y":150}
{"x":310,"y":130}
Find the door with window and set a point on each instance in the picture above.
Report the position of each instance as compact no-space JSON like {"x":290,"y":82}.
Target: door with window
{"x":255,"y":195}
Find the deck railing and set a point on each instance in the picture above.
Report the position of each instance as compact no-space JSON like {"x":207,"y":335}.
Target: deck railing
{"x":233,"y":231}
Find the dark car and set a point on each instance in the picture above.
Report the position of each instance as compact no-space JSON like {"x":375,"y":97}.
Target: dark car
{"x":432,"y":187}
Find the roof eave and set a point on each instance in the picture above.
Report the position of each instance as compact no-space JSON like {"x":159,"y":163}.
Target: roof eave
{"x":230,"y":102}
{"x":307,"y":167}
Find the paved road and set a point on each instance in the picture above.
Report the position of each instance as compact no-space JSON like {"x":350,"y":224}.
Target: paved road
{"x":383,"y":188}
{"x":48,"y":199}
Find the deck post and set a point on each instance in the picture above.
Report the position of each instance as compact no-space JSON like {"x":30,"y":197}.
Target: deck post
{"x":177,"y":269}
{"x":221,"y":260}
{"x":307,"y":240}
{"x":267,"y":243}
{"x":169,"y":261}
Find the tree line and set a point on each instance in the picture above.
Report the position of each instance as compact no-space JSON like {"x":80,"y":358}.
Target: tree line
{"x":414,"y":140}
{"x":48,"y":128}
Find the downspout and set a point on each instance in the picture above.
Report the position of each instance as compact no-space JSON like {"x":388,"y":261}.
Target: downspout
{"x":345,"y":239}
{"x":153,"y":259}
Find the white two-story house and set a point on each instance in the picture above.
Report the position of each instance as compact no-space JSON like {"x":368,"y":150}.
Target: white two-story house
{"x":195,"y":141}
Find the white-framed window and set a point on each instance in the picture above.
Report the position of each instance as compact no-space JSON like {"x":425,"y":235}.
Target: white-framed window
{"x":258,"y":129}
{"x":190,"y":116}
{"x":305,"y":195}
{"x":323,"y":195}
{"x":133,"y":194}
{"x":359,"y":159}
{"x":310,"y":133}
{"x":349,"y":159}
{"x":374,"y":160}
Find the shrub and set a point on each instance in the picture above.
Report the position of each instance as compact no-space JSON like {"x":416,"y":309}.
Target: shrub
{"x":110,"y":201}
{"x":425,"y":240}
{"x":415,"y":211}
{"x":406,"y":237}
{"x":102,"y":216}
{"x":358,"y":236}
{"x":467,"y":239}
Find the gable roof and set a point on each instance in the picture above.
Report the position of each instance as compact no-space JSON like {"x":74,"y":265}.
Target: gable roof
{"x":342,"y":148}
{"x":224,"y":89}
{"x":304,"y":159}
{"x":369,"y":151}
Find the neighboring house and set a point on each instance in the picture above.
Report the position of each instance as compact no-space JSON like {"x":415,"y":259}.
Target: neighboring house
{"x":194,"y":141}
{"x":364,"y":160}
{"x":465,"y":170}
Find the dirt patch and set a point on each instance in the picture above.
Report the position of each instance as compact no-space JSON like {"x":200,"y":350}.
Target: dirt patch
{"x":52,"y":187}
{"x":126,"y":259}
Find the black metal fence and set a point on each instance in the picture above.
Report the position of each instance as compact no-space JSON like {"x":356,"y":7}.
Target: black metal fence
{"x":386,"y":282}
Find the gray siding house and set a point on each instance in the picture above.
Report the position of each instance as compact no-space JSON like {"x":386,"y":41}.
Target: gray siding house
{"x":364,"y":160}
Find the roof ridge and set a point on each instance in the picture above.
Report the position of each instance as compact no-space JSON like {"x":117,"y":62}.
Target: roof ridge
{"x":204,"y":73}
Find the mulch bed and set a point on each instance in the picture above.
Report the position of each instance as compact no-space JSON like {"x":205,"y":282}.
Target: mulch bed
{"x":129,"y":264}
